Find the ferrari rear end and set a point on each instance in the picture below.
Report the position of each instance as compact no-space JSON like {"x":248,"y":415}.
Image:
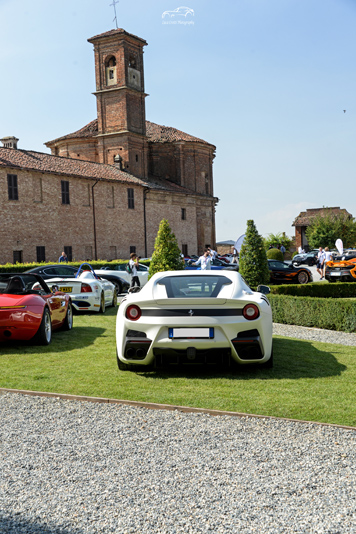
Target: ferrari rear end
{"x":194,"y":318}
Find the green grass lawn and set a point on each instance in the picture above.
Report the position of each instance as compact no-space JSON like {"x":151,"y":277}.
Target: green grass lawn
{"x":310,"y":380}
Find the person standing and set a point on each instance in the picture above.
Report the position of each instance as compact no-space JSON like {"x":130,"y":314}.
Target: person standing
{"x":319,"y":263}
{"x":327,"y":257}
{"x":134,"y":265}
{"x":283,"y":249}
{"x":63,"y":257}
{"x":204,"y":261}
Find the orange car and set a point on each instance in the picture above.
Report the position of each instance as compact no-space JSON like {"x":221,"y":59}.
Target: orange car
{"x":342,"y":271}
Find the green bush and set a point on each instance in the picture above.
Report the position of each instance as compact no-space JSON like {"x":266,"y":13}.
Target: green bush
{"x":338,"y":290}
{"x":253,"y":260}
{"x":275,"y":254}
{"x":328,"y":313}
{"x":166,"y":255}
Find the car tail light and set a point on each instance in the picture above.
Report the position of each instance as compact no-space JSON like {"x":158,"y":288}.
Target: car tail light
{"x":86,"y":288}
{"x":133,"y":312}
{"x":251,"y":312}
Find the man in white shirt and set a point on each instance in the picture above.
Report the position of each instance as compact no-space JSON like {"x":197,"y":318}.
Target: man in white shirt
{"x":133,"y":263}
{"x":326,"y":256}
{"x":319,"y":262}
{"x":204,"y":261}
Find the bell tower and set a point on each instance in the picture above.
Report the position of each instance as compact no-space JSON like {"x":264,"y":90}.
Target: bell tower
{"x":120,"y":98}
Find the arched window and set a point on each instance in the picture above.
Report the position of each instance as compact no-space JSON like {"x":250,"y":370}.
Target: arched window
{"x":110,"y":67}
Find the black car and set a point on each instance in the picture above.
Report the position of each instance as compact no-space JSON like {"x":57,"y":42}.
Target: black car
{"x":282,"y":272}
{"x":67,"y":271}
{"x":307,"y":258}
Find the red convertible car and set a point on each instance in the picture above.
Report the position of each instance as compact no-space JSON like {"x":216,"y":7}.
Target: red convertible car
{"x":29,"y":310}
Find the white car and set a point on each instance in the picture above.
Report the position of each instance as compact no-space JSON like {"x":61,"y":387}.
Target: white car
{"x":194,"y":317}
{"x":87,"y":290}
{"x":178,"y":12}
{"x":120,"y":269}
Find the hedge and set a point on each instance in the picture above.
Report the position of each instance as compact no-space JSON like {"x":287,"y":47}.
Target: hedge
{"x":329,"y":313}
{"x":320,"y":290}
{"x":22,"y":267}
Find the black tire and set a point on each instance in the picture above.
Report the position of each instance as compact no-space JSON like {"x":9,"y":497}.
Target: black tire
{"x":102,"y":303}
{"x":114,"y":299}
{"x":44,"y":333}
{"x":303,"y":277}
{"x":118,"y":287}
{"x":68,"y":321}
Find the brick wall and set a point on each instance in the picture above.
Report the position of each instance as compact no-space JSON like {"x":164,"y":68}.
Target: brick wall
{"x":38,"y":218}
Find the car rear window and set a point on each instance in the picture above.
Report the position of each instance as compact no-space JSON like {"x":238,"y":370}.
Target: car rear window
{"x":194,"y":286}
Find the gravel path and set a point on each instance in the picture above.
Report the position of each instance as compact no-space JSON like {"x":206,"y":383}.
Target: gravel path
{"x":314,"y":334}
{"x":79,"y":467}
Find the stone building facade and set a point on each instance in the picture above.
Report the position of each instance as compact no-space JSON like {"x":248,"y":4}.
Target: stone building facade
{"x":104,"y":189}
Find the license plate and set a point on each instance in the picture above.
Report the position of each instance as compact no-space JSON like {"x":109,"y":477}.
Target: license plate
{"x":191,"y":333}
{"x":335,"y":274}
{"x":66,"y":289}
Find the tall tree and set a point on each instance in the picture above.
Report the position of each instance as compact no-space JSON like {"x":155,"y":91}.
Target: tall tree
{"x":166,"y":255}
{"x":326,"y":229}
{"x":253,"y":258}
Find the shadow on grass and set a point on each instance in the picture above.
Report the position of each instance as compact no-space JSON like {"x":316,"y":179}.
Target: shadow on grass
{"x":292,"y":360}
{"x":78,"y":338}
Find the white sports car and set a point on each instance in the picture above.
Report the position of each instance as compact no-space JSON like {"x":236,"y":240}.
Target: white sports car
{"x":194,"y":317}
{"x":87,"y":290}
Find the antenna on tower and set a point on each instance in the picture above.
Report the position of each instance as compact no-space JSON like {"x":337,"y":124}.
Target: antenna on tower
{"x":114,"y":4}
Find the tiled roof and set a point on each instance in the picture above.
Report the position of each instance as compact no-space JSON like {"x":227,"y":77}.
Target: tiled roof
{"x":305,"y":217}
{"x":155,"y":134}
{"x":46,"y":163}
{"x":89,"y":130}
{"x":118,"y":31}
{"x":167,"y":134}
{"x":39,"y":161}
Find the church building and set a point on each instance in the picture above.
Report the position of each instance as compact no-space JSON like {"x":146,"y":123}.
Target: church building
{"x":104,"y":188}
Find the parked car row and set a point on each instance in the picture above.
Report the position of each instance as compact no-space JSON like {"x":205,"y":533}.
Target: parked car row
{"x":31,"y":308}
{"x":68,"y":271}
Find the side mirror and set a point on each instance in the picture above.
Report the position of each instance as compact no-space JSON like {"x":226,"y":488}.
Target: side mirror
{"x":263,"y":289}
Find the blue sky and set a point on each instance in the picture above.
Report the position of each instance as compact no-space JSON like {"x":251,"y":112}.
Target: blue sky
{"x":266,"y":81}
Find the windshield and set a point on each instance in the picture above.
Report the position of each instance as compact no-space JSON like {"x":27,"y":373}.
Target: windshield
{"x":194,"y":286}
